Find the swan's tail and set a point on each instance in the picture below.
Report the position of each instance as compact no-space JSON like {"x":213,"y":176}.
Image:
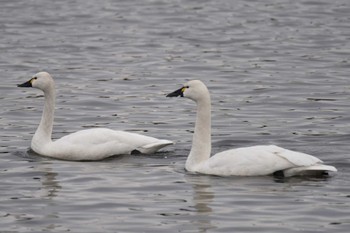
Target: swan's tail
{"x":153,"y":147}
{"x":314,"y":170}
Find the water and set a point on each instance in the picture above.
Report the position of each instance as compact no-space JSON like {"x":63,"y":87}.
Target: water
{"x":278,"y":74}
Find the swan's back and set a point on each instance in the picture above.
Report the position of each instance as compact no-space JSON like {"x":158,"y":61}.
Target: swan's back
{"x":101,"y":135}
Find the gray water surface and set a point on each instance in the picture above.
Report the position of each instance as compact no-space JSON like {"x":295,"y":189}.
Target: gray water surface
{"x":278,"y":72}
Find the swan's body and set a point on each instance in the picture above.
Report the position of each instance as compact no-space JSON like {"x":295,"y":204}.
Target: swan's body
{"x":97,"y":144}
{"x":89,"y":144}
{"x":248,"y":161}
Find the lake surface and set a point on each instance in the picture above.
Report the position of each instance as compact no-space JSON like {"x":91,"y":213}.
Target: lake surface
{"x":278,"y":72}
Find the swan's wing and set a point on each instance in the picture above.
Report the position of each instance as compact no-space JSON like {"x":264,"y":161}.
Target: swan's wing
{"x":95,"y":136}
{"x":104,"y":135}
{"x":297,"y":158}
{"x":304,"y":164}
{"x":257,"y":160}
{"x":154,"y":146}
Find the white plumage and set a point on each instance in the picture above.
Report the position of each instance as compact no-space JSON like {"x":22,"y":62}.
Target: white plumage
{"x":248,"y":161}
{"x":89,"y":144}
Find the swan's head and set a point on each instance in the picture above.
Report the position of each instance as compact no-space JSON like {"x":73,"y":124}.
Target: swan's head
{"x":41,"y":80}
{"x":194,"y":90}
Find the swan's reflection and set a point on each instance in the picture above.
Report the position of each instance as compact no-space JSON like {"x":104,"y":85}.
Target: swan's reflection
{"x":48,"y":191}
{"x":50,"y":184}
{"x":202,"y":197}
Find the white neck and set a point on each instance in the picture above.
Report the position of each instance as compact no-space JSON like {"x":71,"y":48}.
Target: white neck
{"x":43,"y":134}
{"x":201,"y":144}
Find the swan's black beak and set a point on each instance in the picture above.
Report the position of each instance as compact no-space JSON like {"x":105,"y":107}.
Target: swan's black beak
{"x":26,"y":84}
{"x":177,"y":93}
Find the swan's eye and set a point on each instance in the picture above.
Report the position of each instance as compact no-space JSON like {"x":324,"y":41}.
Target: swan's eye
{"x":187,"y":86}
{"x":35,"y":78}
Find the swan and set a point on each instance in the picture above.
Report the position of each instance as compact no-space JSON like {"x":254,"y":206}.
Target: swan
{"x":88,"y":144}
{"x":248,"y":161}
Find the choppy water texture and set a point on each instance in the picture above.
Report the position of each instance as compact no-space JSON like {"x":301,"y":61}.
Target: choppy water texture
{"x":278,"y":72}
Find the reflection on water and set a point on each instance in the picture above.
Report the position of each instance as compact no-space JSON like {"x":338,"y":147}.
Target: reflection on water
{"x":202,"y":198}
{"x":50,"y":190}
{"x":50,"y":185}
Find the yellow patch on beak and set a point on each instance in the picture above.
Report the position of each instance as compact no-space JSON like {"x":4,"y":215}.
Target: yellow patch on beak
{"x":32,"y":80}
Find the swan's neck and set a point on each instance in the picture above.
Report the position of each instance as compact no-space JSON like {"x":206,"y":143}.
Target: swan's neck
{"x":201,"y":144}
{"x":43,"y":134}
